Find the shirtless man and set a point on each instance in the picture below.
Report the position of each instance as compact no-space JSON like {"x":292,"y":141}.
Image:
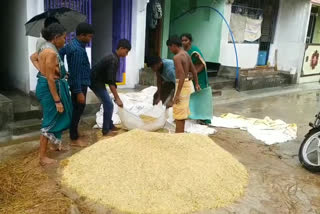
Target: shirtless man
{"x":184,"y":86}
{"x":56,"y":105}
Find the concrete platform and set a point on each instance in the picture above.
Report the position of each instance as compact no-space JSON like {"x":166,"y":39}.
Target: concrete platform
{"x":6,"y":118}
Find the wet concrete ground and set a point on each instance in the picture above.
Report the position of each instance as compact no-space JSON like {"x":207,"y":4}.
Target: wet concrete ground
{"x":278,"y":184}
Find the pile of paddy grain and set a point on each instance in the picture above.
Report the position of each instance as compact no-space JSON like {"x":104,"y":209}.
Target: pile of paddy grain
{"x":143,"y":172}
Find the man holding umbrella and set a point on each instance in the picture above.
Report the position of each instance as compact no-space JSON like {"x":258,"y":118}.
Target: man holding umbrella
{"x":79,"y":76}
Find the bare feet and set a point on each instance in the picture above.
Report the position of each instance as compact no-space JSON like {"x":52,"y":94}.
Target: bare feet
{"x":47,"y":161}
{"x":79,"y":143}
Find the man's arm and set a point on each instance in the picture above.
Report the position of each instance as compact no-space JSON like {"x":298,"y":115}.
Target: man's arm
{"x":159,"y":84}
{"x":74,"y":65}
{"x":35,"y":61}
{"x":117,"y":99}
{"x":113,"y":81}
{"x":49,"y":70}
{"x":180,"y":75}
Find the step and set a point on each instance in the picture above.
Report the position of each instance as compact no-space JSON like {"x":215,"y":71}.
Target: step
{"x":27,"y":115}
{"x":212,"y":73}
{"x":221,"y":83}
{"x":216,"y":93}
{"x":227,"y":72}
{"x":25,"y":126}
{"x":261,"y":82}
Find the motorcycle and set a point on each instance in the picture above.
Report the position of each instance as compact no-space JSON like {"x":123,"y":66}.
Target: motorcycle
{"x":309,"y":152}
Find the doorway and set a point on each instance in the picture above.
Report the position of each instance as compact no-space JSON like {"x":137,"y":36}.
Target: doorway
{"x":154,"y":26}
{"x":102,"y":23}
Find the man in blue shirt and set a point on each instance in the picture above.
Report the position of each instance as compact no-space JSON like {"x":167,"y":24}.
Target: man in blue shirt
{"x":166,"y":78}
{"x":79,"y":76}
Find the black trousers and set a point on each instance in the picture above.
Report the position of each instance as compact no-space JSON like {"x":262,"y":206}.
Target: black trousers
{"x":78,"y":110}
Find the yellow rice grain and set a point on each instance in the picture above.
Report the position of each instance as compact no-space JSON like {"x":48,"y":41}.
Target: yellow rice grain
{"x":147,"y":119}
{"x":143,"y":172}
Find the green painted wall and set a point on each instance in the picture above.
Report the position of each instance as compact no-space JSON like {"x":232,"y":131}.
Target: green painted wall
{"x":205,"y":25}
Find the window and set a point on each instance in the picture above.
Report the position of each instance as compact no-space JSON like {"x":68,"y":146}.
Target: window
{"x":253,"y":21}
{"x":312,"y":34}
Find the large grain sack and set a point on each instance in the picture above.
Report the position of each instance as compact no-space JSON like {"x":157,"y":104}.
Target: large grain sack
{"x":143,"y":172}
{"x":151,"y":120}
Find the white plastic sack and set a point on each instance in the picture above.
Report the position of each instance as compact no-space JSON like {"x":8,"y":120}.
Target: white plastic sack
{"x":99,"y":117}
{"x":131,"y":121}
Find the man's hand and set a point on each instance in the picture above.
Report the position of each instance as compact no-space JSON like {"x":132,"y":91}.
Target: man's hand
{"x":157,"y":101}
{"x":198,"y":88}
{"x":169,"y":104}
{"x":81,"y":98}
{"x":176,"y":100}
{"x":59,"y":107}
{"x":119,"y":103}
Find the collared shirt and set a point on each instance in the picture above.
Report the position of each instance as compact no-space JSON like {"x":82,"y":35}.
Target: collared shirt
{"x":78,"y":65}
{"x":105,"y":71}
{"x":168,"y":72}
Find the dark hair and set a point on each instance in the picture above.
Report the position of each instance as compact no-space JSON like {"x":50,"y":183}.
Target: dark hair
{"x":188,"y":35}
{"x":153,"y":60}
{"x":124,"y":43}
{"x":52,"y":31}
{"x":50,"y":20}
{"x":174,"y":40}
{"x":84,"y":28}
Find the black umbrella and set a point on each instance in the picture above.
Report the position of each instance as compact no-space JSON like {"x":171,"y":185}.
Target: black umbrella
{"x":67,"y":17}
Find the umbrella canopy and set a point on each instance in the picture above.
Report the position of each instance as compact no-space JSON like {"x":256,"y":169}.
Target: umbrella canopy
{"x":67,"y":17}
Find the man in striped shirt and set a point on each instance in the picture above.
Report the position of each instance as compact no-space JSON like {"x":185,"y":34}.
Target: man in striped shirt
{"x":79,"y":76}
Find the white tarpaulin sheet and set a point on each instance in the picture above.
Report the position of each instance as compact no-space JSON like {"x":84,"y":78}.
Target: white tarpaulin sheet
{"x":267,"y":130}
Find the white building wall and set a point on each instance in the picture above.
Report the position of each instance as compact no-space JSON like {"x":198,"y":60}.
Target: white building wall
{"x":17,"y":44}
{"x":135,"y":59}
{"x":290,"y":35}
{"x":289,"y":40}
{"x":247,"y":53}
{"x":34,"y":7}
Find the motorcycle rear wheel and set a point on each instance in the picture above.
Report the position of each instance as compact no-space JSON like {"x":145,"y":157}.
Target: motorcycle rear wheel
{"x":309,"y":152}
